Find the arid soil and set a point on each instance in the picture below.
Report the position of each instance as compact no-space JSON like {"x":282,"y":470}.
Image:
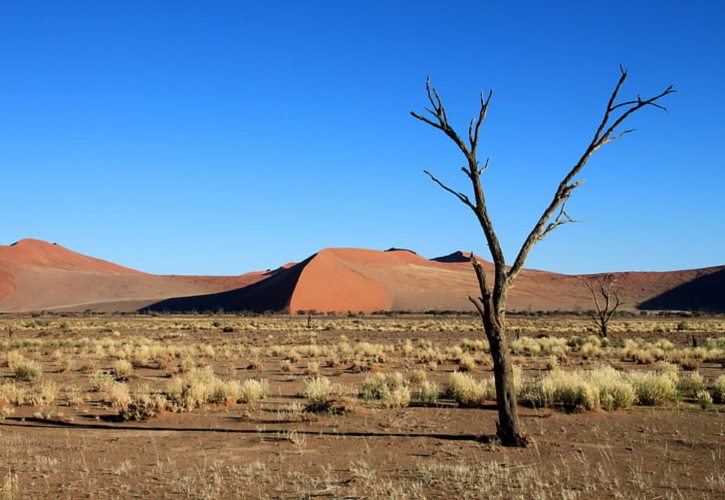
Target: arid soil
{"x":73,"y":444}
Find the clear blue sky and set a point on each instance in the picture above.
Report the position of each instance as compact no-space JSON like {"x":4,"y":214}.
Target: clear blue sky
{"x":223,"y":137}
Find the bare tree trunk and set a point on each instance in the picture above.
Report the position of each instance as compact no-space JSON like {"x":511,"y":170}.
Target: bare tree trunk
{"x":508,"y":428}
{"x":491,"y":304}
{"x":492,"y":310}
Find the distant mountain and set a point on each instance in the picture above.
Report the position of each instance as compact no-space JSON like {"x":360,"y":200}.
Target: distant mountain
{"x":35,"y":275}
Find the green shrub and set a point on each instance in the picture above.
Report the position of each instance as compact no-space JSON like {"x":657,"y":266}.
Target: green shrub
{"x":27,"y":370}
{"x":690,"y":384}
{"x":718,"y":390}
{"x":704,"y":399}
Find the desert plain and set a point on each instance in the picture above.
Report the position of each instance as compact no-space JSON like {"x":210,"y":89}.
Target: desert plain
{"x":357,"y":406}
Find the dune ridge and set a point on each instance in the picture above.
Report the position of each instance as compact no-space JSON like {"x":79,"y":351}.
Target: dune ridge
{"x":36,"y":275}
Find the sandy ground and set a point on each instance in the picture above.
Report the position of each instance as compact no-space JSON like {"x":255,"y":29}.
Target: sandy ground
{"x":272,"y":449}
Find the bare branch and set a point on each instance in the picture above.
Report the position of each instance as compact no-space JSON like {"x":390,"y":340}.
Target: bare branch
{"x":481,"y":276}
{"x":484,"y":167}
{"x":477,"y":304}
{"x":464,"y":199}
{"x":622,"y":134}
{"x":441,"y":118}
{"x":561,"y":219}
{"x":602,"y":136}
{"x":426,"y":120}
{"x":473,"y":171}
{"x":481,"y":116}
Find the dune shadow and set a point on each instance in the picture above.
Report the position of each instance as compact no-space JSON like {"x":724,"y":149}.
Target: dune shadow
{"x":271,"y":294}
{"x":704,"y":293}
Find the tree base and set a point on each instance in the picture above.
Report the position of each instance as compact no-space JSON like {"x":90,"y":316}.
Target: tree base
{"x":512,"y":440}
{"x":517,"y":441}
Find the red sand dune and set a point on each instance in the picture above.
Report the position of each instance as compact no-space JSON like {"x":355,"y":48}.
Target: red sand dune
{"x":37,"y":253}
{"x":35,"y":275}
{"x":347,"y":279}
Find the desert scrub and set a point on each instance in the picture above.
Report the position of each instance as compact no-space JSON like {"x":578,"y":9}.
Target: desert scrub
{"x":704,"y":399}
{"x":313,"y":368}
{"x":122,"y":369}
{"x":718,"y":390}
{"x":466,"y":363}
{"x":526,"y":346}
{"x":13,"y":359}
{"x":569,"y":389}
{"x":143,"y":407}
{"x":65,"y":364}
{"x":100,"y":381}
{"x":428,"y":392}
{"x":391,"y":389}
{"x":466,"y":391}
{"x":27,"y":370}
{"x":42,"y":393}
{"x":615,"y":390}
{"x":252,"y":390}
{"x":690,"y":383}
{"x":185,"y":364}
{"x":201,"y":386}
{"x":5,"y":412}
{"x":293,"y":356}
{"x":416,"y":377}
{"x":654,"y":389}
{"x":474,"y":345}
{"x":12,"y":393}
{"x":196,"y":388}
{"x":118,"y":395}
{"x":323,"y":395}
{"x":10,"y":487}
{"x":318,"y":390}
{"x":580,"y":390}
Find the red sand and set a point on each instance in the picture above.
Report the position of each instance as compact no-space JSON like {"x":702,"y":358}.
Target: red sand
{"x":330,"y":283}
{"x":39,"y":253}
{"x":35,"y":275}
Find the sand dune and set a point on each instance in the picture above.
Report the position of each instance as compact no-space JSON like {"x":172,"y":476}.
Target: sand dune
{"x":35,"y":275}
{"x":348,"y":279}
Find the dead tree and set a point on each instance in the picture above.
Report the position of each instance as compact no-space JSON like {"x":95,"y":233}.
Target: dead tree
{"x":491,"y":303}
{"x":605,"y":293}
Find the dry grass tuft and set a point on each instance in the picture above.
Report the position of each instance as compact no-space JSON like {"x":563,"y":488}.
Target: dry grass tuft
{"x":391,"y":389}
{"x":468,"y":392}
